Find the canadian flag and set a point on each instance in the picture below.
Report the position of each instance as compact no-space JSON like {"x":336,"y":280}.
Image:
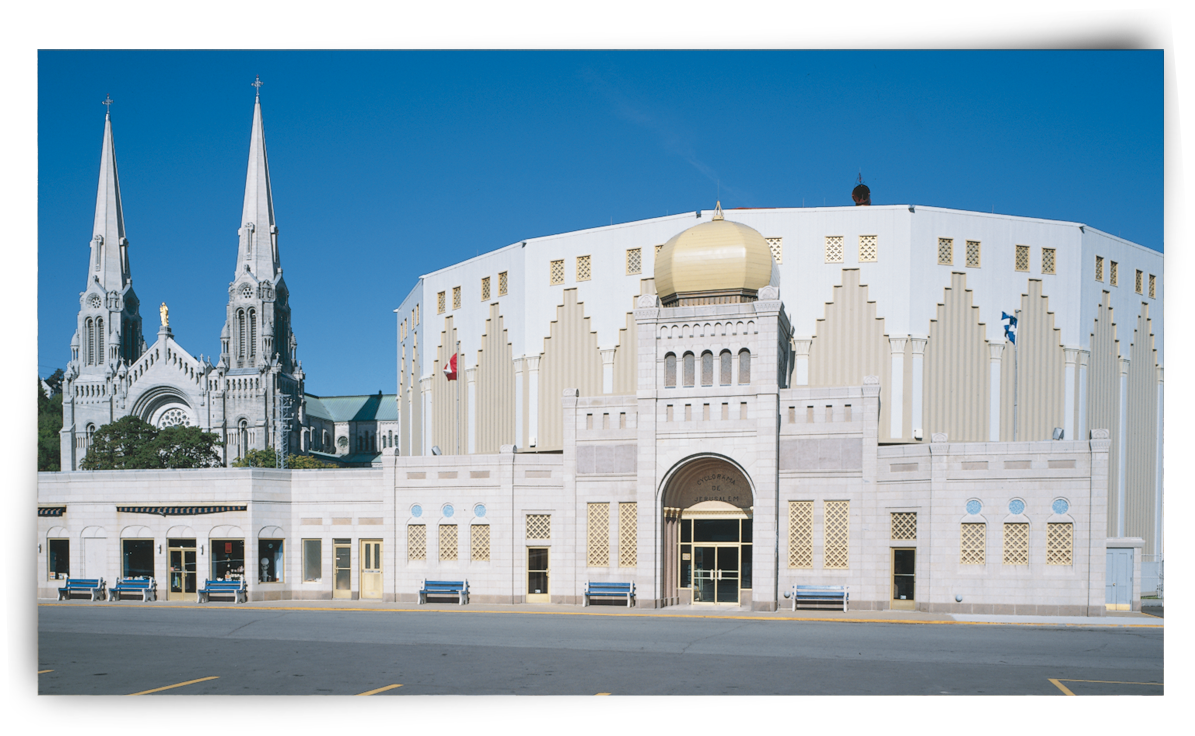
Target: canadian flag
{"x":450,"y":368}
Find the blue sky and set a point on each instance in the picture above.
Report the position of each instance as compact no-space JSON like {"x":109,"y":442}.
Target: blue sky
{"x":386,"y":165}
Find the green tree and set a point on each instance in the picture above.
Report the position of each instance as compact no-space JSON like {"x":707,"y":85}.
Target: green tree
{"x":187,"y":447}
{"x":130,"y":443}
{"x":49,"y":423}
{"x":268,"y":458}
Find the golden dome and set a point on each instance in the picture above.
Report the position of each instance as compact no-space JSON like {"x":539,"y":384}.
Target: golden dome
{"x":716,"y":262}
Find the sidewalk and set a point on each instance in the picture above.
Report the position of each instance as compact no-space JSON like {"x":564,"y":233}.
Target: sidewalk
{"x":1113,"y":618}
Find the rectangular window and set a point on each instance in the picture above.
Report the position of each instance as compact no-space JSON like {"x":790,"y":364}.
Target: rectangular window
{"x":456,"y":297}
{"x":313,"y":560}
{"x":972,"y":544}
{"x":556,"y":272}
{"x":138,"y":558}
{"x":485,"y":289}
{"x":628,"y":534}
{"x":416,"y":314}
{"x":270,"y":560}
{"x":670,"y":370}
{"x":1139,"y":283}
{"x":800,"y":534}
{"x":1022,"y":262}
{"x":1047,"y":260}
{"x":837,"y":531}
{"x":634,"y":261}
{"x":448,"y":543}
{"x":1059,"y":544}
{"x":972,"y":254}
{"x":833,"y":249}
{"x":904,"y":525}
{"x":868,"y":248}
{"x":945,"y":251}
{"x":582,"y":268}
{"x":1153,"y":286}
{"x":539,"y":526}
{"x":1099,"y":268}
{"x":597,"y":537}
{"x":416,"y":542}
{"x":503,"y":283}
{"x":59,"y":558}
{"x":1016,"y":544}
{"x":479,"y":542}
{"x":441,"y":303}
{"x":707,"y":369}
{"x":228,"y":559}
{"x":1113,"y":277}
{"x":777,"y":246}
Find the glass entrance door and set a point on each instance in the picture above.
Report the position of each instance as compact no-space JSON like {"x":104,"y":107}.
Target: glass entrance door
{"x":537,"y":575}
{"x":342,"y":573}
{"x":715,"y":574}
{"x":371,"y":568}
{"x":182,"y":569}
{"x":904,"y":579}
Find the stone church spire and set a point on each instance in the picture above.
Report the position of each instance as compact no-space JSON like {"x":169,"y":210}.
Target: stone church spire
{"x":258,"y":233}
{"x":109,"y":248}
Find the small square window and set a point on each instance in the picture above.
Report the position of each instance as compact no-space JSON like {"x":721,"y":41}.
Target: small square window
{"x":503,"y":284}
{"x":1153,"y":284}
{"x":1099,"y":268}
{"x":868,"y":246}
{"x":485,"y":289}
{"x":777,"y":246}
{"x":1114,"y":276}
{"x":1022,"y":263}
{"x":582,"y":268}
{"x":1138,"y":282}
{"x":634,"y":261}
{"x":1047,"y":260}
{"x":945,"y":251}
{"x":440,"y":303}
{"x":313,"y":557}
{"x":456,"y":297}
{"x":556,"y":272}
{"x":833,"y":249}
{"x":972,"y":254}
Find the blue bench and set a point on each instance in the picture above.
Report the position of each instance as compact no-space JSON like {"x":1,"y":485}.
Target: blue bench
{"x":95,"y":587}
{"x":145,"y":587}
{"x":234,"y":588}
{"x":459,"y":588}
{"x":819,"y":595}
{"x":609,"y":590}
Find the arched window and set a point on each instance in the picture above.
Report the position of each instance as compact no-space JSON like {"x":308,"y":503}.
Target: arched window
{"x":252,"y":334}
{"x":89,"y":334}
{"x":670,"y":370}
{"x":744,"y":367}
{"x":707,"y":368}
{"x":690,"y":368}
{"x":726,"y":360}
{"x":99,"y":341}
{"x":324,"y":439}
{"x":243,"y":440}
{"x":240,"y":334}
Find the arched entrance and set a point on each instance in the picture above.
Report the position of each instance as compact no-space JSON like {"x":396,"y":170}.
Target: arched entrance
{"x":707,"y":537}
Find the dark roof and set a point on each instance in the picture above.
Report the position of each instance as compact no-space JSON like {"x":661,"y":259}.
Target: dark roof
{"x":377,"y":407}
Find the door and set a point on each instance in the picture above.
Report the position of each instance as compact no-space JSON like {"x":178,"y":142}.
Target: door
{"x":1118,"y":583}
{"x":904,"y":579}
{"x":715,"y":574}
{"x":95,"y":558}
{"x":342,"y":572}
{"x":182,"y":569}
{"x":371,"y":568}
{"x":537,"y":575}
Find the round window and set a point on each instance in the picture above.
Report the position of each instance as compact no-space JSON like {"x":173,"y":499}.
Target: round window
{"x":1061,"y":506}
{"x":448,"y":510}
{"x":974,"y":507}
{"x":416,"y":511}
{"x":479,"y":510}
{"x":1016,"y":506}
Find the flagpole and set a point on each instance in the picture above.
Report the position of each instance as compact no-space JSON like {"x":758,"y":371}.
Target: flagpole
{"x":1016,"y":379}
{"x":458,"y":397}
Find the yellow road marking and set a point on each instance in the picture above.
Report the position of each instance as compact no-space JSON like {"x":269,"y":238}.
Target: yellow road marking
{"x":1061,"y":687}
{"x":42,"y":672}
{"x":171,"y":687}
{"x":380,"y":690}
{"x":597,"y":694}
{"x":1114,"y":682}
{"x":1151,"y":615}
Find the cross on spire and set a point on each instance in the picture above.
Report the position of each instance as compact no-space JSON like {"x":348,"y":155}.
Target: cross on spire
{"x":107,"y":101}
{"x":257,"y":83}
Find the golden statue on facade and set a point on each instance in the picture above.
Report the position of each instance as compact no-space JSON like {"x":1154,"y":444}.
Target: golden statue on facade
{"x":165,"y":312}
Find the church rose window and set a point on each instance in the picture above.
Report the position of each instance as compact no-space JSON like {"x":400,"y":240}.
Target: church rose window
{"x":174,"y":417}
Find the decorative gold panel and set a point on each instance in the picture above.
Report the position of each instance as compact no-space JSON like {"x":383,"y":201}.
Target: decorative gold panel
{"x":1047,"y":260}
{"x":539,"y":526}
{"x":973,"y":544}
{"x":972,"y":254}
{"x":904,"y":525}
{"x":777,"y":246}
{"x":440,"y":303}
{"x":634,"y":261}
{"x":485,"y":289}
{"x":448,"y":543}
{"x":503,"y":283}
{"x":456,"y":297}
{"x":1059,"y":544}
{"x":800,"y":534}
{"x":836,"y":554}
{"x":628,"y":534}
{"x":1099,"y":268}
{"x":833,"y":249}
{"x":945,"y":251}
{"x":597,"y":538}
{"x":583,"y":268}
{"x":479,"y":541}
{"x":556,"y":272}
{"x":416,"y":541}
{"x":868,"y":248}
{"x":1022,"y":258}
{"x":1016,"y":544}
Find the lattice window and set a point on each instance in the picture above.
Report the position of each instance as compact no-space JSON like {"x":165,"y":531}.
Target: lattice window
{"x":1099,"y":268}
{"x":417,"y":542}
{"x":1113,"y":276}
{"x":1059,"y":543}
{"x":583,"y":268}
{"x":1022,"y":263}
{"x":634,"y":260}
{"x":945,"y":251}
{"x":479,"y":542}
{"x":440,"y":303}
{"x":556,"y":272}
{"x":456,"y":297}
{"x":1139,"y":284}
{"x":503,"y":284}
{"x":800,"y":534}
{"x":597,"y":537}
{"x":1016,"y":544}
{"x":973,"y":544}
{"x":836,"y":549}
{"x":485,"y":289}
{"x":448,"y":543}
{"x":1153,"y":286}
{"x":868,"y":248}
{"x":972,"y":254}
{"x":833,"y":249}
{"x":904,"y":525}
{"x":628,"y":534}
{"x":777,"y":246}
{"x":539,"y":526}
{"x":1047,"y":260}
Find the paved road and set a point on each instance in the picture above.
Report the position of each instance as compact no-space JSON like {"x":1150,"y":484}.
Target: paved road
{"x":119,"y":649}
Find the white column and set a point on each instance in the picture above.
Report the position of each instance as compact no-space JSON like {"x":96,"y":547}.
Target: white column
{"x":897,"y":404}
{"x":801,"y":347}
{"x":471,"y":380}
{"x":1124,"y":425}
{"x":533,"y":403}
{"x":607,"y":370}
{"x":425,"y":386}
{"x":1083,"y":429}
{"x":519,"y":441}
{"x":1157,"y":550}
{"x":1068,"y":412}
{"x":918,"y":378}
{"x":995,"y":352}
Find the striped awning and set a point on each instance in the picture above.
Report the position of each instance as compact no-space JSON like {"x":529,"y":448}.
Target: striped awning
{"x":51,"y":510}
{"x":178,"y":510}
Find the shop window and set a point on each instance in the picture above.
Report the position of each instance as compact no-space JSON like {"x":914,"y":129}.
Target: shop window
{"x":59,"y":558}
{"x":313,"y":560}
{"x":597,"y":537}
{"x":270,"y":562}
{"x":137,"y":558}
{"x":228,"y":559}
